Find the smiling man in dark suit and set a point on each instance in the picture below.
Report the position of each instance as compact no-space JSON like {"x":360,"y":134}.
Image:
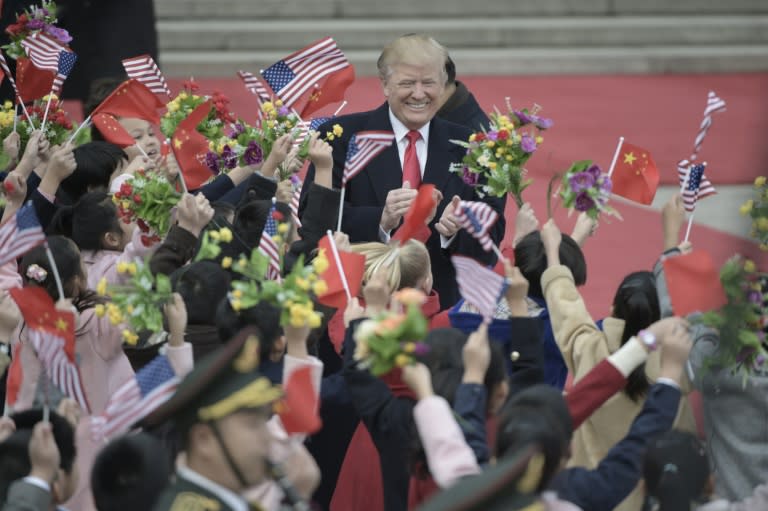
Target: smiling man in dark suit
{"x":413,"y":77}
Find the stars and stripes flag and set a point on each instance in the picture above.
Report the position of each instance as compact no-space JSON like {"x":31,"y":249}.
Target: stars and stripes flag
{"x":304,"y":127}
{"x":293,"y":76}
{"x":363,"y":147}
{"x":693,"y":186}
{"x":144,"y":69}
{"x":481,"y":287}
{"x":268,"y":246}
{"x":477,"y":218}
{"x":20,"y":234}
{"x":7,"y":72}
{"x":295,"y":204}
{"x":67,"y":61}
{"x":43,"y":50}
{"x":59,"y":362}
{"x":255,"y":86}
{"x":152,"y":386}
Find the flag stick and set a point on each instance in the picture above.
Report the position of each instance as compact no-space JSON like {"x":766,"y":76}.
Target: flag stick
{"x":337,"y":258}
{"x":47,"y":107}
{"x":498,"y":252}
{"x":341,"y":206}
{"x":616,"y":156}
{"x":15,"y":116}
{"x":340,"y":108}
{"x":690,"y":223}
{"x":46,"y":395}
{"x":85,"y":123}
{"x":55,"y":270}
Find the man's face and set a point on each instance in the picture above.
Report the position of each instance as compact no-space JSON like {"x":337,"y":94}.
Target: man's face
{"x":413,"y":92}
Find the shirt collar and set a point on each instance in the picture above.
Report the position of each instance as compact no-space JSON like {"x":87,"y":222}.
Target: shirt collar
{"x":401,"y":131}
{"x":230,"y":498}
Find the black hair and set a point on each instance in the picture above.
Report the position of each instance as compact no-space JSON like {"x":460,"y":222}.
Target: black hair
{"x":63,"y":433}
{"x":67,"y":259}
{"x":637,"y":303}
{"x":223,"y":210}
{"x":450,"y":70}
{"x":676,"y":470}
{"x":87,"y":221}
{"x":251,"y":217}
{"x":536,"y":415}
{"x":263,"y":315}
{"x":14,"y":460}
{"x":96,"y":162}
{"x":531,"y":258}
{"x":130,"y":473}
{"x":201,"y":284}
{"x":99,"y":91}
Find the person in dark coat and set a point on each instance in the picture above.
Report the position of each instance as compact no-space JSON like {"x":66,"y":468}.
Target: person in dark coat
{"x":460,"y":105}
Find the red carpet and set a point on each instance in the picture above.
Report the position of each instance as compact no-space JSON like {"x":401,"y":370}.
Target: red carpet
{"x":660,"y":113}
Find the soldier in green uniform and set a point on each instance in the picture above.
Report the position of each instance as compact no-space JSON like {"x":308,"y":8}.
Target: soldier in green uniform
{"x":220,"y":411}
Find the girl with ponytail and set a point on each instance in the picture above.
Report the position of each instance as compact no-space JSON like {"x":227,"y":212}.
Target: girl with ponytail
{"x":584,"y":344}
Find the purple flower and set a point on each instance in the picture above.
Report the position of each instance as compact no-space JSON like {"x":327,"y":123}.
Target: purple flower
{"x":470,"y":178}
{"x":284,"y":111}
{"x":745,"y":353}
{"x":759,"y":360}
{"x":58,"y":33}
{"x":420,"y":349}
{"x":543,"y":123}
{"x":253,"y":154}
{"x":35,"y":24}
{"x":581,"y":181}
{"x":237,"y":129}
{"x":295,"y":180}
{"x":229,"y":157}
{"x":595,"y":171}
{"x":584,"y":202}
{"x":605,"y":185}
{"x":493,"y":135}
{"x":40,"y":12}
{"x":528,"y":144}
{"x":756,"y":297}
{"x":212,"y":161}
{"x":523,"y":117}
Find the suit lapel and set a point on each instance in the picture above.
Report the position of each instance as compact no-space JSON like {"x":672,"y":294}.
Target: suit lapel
{"x":439,"y":156}
{"x":384,"y":172}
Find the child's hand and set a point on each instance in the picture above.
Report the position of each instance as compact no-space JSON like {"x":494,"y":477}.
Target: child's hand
{"x":280,"y":150}
{"x":584,"y":228}
{"x":62,"y":163}
{"x":353,"y":311}
{"x":284,"y":191}
{"x":551,"y":238}
{"x":12,"y":145}
{"x":15,"y":186}
{"x":176,"y":313}
{"x":476,"y":355}
{"x":296,"y":340}
{"x":70,"y":410}
{"x":525,"y":223}
{"x":672,"y":219}
{"x":194,"y":213}
{"x":342,"y":241}
{"x":44,"y":453}
{"x":517,"y":290}
{"x":377,"y":293}
{"x":35,"y":153}
{"x":419,"y":379}
{"x":139,"y":162}
{"x":320,"y":153}
{"x":7,"y":427}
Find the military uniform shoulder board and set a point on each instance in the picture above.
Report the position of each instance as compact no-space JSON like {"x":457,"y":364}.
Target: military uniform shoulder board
{"x":189,"y":501}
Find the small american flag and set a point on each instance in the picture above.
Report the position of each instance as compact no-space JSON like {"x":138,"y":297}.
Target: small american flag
{"x":43,"y":50}
{"x":254,"y":85}
{"x":63,"y":371}
{"x":305,"y":127}
{"x":692,"y":188}
{"x":714,"y":105}
{"x":295,"y":204}
{"x":152,"y":386}
{"x":20,"y":234}
{"x":363,"y":147}
{"x":291,"y":77}
{"x":67,"y":61}
{"x":477,"y":218}
{"x":705,"y":186}
{"x":7,"y":72}
{"x":268,"y":247}
{"x":144,"y":69}
{"x":479,"y":286}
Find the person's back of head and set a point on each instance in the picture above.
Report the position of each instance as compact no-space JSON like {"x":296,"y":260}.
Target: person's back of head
{"x":404,"y":266}
{"x":263,"y":315}
{"x":130,"y":473}
{"x":201,"y":284}
{"x":14,"y":460}
{"x":251,"y":218}
{"x":532,"y":261}
{"x":676,"y":471}
{"x":89,"y":222}
{"x":637,"y":303}
{"x":96,"y":162}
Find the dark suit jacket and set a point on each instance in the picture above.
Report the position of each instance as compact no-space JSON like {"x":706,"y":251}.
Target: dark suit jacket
{"x":367,"y":192}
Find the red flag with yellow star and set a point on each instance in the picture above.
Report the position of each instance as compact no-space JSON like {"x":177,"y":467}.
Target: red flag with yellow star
{"x":635,"y":175}
{"x":111,"y":130}
{"x":330,"y":91}
{"x":132,"y":99}
{"x":190,"y":148}
{"x":33,"y":83}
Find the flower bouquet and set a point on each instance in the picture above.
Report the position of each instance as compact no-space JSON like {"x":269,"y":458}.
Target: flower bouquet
{"x":742,"y":321}
{"x":35,"y":19}
{"x":757,"y":209}
{"x":241,"y":146}
{"x":585,"y":188}
{"x":278,"y":120}
{"x":147,"y":198}
{"x":138,"y":302}
{"x":495,"y":157}
{"x":392,"y":339}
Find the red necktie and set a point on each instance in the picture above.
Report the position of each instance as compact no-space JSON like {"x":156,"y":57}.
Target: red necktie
{"x":411,"y":167}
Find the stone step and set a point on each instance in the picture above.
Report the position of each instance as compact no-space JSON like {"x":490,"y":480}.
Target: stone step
{"x":353,"y":34}
{"x":508,"y":61}
{"x":270,"y":9}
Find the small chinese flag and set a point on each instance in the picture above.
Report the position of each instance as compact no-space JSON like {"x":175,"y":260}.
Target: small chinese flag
{"x":416,"y":216}
{"x":300,"y":405}
{"x":332,"y":90}
{"x":353,"y":268}
{"x":33,"y":83}
{"x":190,"y":147}
{"x":40,"y":313}
{"x":111,"y":130}
{"x":132,"y":99}
{"x":694,"y":283}
{"x":635,"y":175}
{"x":15,"y":377}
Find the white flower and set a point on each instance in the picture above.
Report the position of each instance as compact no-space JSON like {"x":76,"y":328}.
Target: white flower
{"x":365,"y":331}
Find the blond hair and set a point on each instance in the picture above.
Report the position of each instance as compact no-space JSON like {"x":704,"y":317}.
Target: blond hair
{"x":404,"y":266}
{"x":414,"y":49}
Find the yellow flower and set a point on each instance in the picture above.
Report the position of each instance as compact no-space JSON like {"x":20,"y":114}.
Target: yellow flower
{"x":237,"y":293}
{"x":282,"y":228}
{"x":489,"y":144}
{"x":126,"y":204}
{"x":510,"y":141}
{"x":130,"y":337}
{"x":402,"y":360}
{"x":214,"y":235}
{"x":320,"y":263}
{"x":303,"y":284}
{"x":226,"y":262}
{"x":760,"y":181}
{"x":183,"y":95}
{"x":242,"y":263}
{"x":319,"y":287}
{"x":338,"y":130}
{"x":7,"y":105}
{"x":220,"y":147}
{"x":762,"y":223}
{"x":508,"y":157}
{"x":101,"y":287}
{"x":539,"y":139}
{"x":472,"y":137}
{"x":277,"y":239}
{"x":279,"y":103}
{"x":746,"y":207}
{"x":763,"y":246}
{"x":749,"y":266}
{"x":409,"y":347}
{"x":173,"y":106}
{"x":116,"y":318}
{"x":132,"y":268}
{"x":211,"y":146}
{"x":122,"y":267}
{"x":129,"y":309}
{"x":315,"y":320}
{"x":492,"y":165}
{"x":267,"y":106}
{"x":99,"y":310}
{"x":225,"y":234}
{"x":236,"y":304}
{"x":330,"y":137}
